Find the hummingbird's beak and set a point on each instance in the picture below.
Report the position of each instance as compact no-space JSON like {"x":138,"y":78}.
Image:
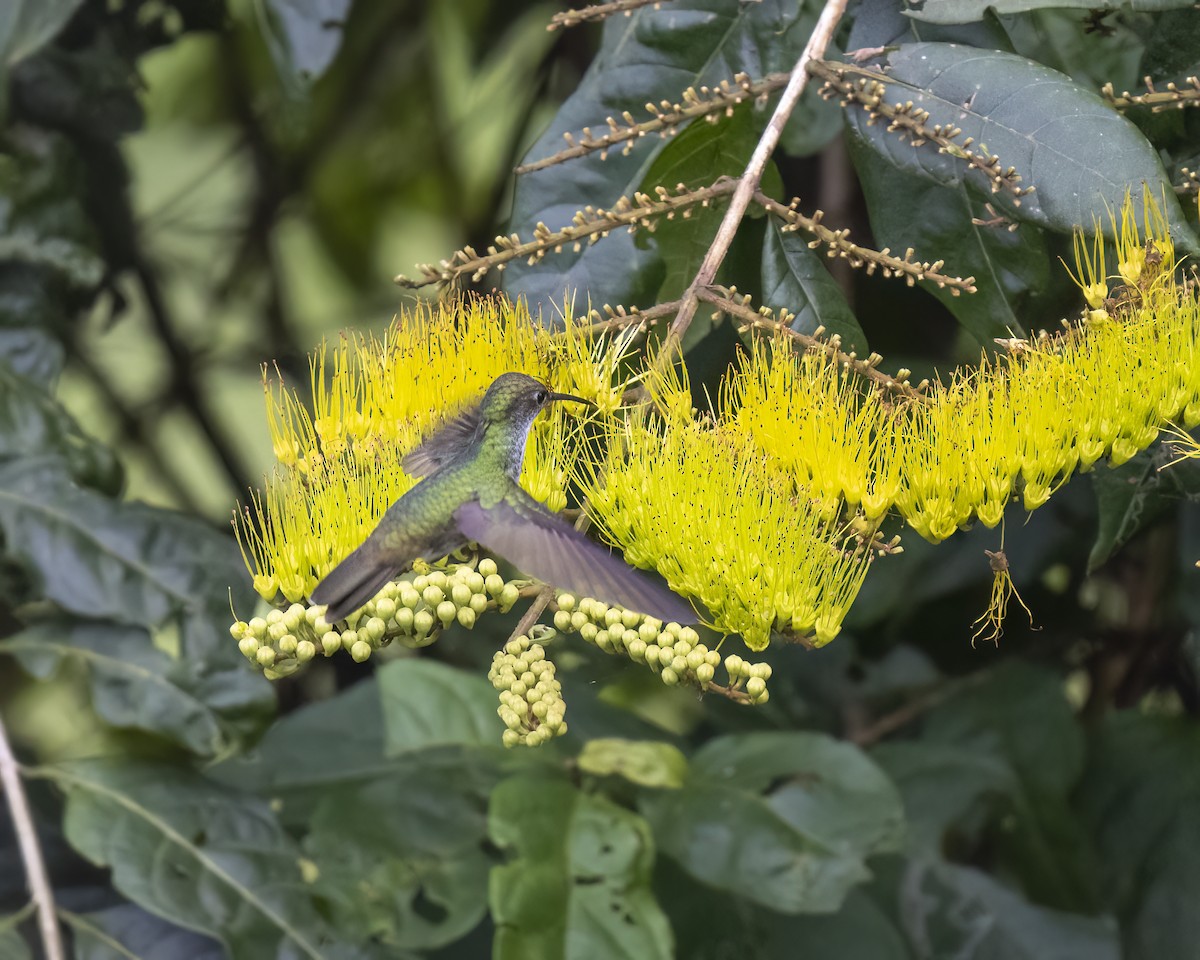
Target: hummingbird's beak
{"x":568,"y":396}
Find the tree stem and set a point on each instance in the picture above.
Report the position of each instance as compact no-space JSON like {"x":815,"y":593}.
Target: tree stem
{"x":31,"y":850}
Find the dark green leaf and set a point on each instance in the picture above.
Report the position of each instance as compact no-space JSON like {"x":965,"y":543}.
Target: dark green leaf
{"x":12,"y":944}
{"x":203,"y":706}
{"x":26,"y":25}
{"x":120,"y":933}
{"x":951,"y":911}
{"x":1140,"y":797}
{"x":427,"y":704}
{"x":195,"y":854}
{"x":1136,"y":494}
{"x":102,"y":559}
{"x":644,"y":762}
{"x":794,"y":277}
{"x":786,"y":820}
{"x":578,"y":884}
{"x":945,"y":788}
{"x":32,"y":424}
{"x":654,"y":53}
{"x":1035,"y":120}
{"x":965,"y":11}
{"x":1019,"y":716}
{"x":401,"y":859}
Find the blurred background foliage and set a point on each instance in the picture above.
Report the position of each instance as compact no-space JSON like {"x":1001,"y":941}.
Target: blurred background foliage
{"x":191,"y":188}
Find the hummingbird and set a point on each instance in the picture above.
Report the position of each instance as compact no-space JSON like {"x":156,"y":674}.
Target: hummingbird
{"x":470,"y":493}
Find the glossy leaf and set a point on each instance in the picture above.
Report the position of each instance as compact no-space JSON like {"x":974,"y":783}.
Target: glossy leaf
{"x":793,"y":276}
{"x":103,"y":559}
{"x":785,"y":820}
{"x":400,"y":859}
{"x":119,"y":933}
{"x":577,"y":884}
{"x":426,"y":704}
{"x":646,"y":763}
{"x":654,"y":54}
{"x":203,"y":706}
{"x":12,"y":944}
{"x":965,"y":11}
{"x":1140,"y":794}
{"x":1065,"y":141}
{"x":196,"y":854}
{"x":25,"y":25}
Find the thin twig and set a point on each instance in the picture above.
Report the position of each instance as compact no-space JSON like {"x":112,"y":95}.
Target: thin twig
{"x":31,"y":849}
{"x":920,"y":704}
{"x":752,"y":175}
{"x":597,"y":11}
{"x":540,"y":602}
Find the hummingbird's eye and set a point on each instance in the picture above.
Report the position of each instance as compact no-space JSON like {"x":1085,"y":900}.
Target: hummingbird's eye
{"x":541,"y":396}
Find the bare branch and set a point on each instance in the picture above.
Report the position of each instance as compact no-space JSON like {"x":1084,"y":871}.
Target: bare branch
{"x":31,"y":850}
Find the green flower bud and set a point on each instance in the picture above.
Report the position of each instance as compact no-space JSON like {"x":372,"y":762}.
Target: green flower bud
{"x":493,"y":584}
{"x":630,"y":619}
{"x":265,"y":656}
{"x":604,"y":641}
{"x":312,"y":613}
{"x":460,"y":593}
{"x":422,"y":622}
{"x":535,"y":653}
{"x":420,"y":582}
{"x":682,"y":648}
{"x":287,"y":644}
{"x":756,"y":687}
{"x":762,"y":670}
{"x":713,"y":658}
{"x":637,"y":649}
{"x":612,"y":617}
{"x":648,"y":632}
{"x":599,"y":612}
{"x":385,"y":609}
{"x":562,"y":621}
{"x":305,"y":650}
{"x":331,"y":643}
{"x":705,"y":673}
{"x":690,"y":635}
{"x":628,"y":637}
{"x":566,"y":602}
{"x":508,"y":596}
{"x":734,"y":664}
{"x":679,"y":665}
{"x":437,"y":579}
{"x":516,"y":646}
{"x":518,"y":689}
{"x":293,"y":616}
{"x":276,"y":630}
{"x":466,"y":616}
{"x":510,"y":738}
{"x":361,"y":650}
{"x":432,"y":595}
{"x":349,"y":638}
{"x":673,"y":628}
{"x":446,"y":611}
{"x":695,"y":660}
{"x":374,"y":629}
{"x":588,"y":631}
{"x":409,"y":597}
{"x":669,"y":676}
{"x":578,"y":619}
{"x":238,"y":629}
{"x":474,"y":581}
{"x":479,"y":603}
{"x":404,"y":619}
{"x":249,"y":647}
{"x":651,"y":654}
{"x":274,"y":616}
{"x":509,"y":717}
{"x":258,"y":627}
{"x":487,"y":567}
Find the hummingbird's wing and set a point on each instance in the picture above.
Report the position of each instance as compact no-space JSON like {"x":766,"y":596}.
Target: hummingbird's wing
{"x":543,"y":545}
{"x":448,"y":441}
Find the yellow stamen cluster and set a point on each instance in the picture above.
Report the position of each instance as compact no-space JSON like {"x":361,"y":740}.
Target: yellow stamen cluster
{"x":531,"y":703}
{"x":693,"y":500}
{"x":374,"y":399}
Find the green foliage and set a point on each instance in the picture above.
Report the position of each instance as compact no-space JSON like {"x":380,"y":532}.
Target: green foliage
{"x":188,"y":189}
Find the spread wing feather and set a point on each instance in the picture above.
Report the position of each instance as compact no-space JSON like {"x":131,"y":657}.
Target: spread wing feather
{"x":544,"y":546}
{"x":447,"y":442}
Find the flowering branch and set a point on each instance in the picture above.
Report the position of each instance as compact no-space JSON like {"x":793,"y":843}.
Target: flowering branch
{"x":749,"y":181}
{"x":867,"y":88}
{"x":598,"y":11}
{"x":1174,"y":97}
{"x":707,"y":102}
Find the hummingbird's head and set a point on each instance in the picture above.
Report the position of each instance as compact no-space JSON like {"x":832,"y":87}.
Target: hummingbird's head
{"x":516,"y":398}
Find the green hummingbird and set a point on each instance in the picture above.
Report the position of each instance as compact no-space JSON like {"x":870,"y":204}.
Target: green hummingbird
{"x":470,"y":493}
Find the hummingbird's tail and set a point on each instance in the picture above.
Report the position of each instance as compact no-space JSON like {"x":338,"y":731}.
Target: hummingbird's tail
{"x":352,"y":583}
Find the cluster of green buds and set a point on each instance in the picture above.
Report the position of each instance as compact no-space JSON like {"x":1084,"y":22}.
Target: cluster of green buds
{"x":413,"y":611}
{"x":672,"y":651}
{"x":531,"y":703}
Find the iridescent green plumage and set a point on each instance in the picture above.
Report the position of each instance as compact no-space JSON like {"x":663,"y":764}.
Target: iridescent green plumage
{"x":470,"y":493}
